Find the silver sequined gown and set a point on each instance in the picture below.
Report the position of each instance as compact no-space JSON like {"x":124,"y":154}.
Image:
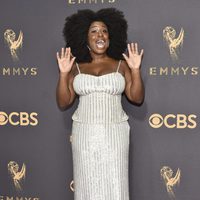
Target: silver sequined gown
{"x":100,"y":138}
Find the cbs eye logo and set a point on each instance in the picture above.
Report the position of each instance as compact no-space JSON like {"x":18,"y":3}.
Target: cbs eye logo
{"x":18,"y":118}
{"x":179,"y":121}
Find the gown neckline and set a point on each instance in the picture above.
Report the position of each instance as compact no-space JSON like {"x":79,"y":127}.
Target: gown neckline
{"x":99,"y":76}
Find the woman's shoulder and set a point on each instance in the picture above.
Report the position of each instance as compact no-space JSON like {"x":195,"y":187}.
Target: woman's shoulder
{"x":74,"y":70}
{"x":124,"y":66}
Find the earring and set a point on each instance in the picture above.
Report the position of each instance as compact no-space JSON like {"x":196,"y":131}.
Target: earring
{"x":89,"y":48}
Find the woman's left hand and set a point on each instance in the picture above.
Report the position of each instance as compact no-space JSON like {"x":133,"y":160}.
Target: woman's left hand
{"x":135,"y":58}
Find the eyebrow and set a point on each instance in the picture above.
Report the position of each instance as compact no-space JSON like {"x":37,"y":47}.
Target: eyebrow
{"x":97,"y":26}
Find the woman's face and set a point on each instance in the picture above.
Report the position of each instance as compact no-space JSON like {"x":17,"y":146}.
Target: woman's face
{"x":98,"y":37}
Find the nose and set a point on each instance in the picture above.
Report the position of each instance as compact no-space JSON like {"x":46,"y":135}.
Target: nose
{"x":100,"y":33}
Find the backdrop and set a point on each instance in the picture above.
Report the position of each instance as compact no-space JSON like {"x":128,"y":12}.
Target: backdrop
{"x":35,"y":148}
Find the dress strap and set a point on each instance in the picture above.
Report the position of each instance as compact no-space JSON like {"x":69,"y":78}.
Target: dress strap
{"x":119,"y":65}
{"x":78,"y":68}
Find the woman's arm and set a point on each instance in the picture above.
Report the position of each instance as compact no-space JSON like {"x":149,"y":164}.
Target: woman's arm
{"x":65,"y":94}
{"x":134,"y":85}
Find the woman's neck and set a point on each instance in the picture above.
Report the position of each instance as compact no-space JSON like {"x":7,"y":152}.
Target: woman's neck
{"x":96,"y":58}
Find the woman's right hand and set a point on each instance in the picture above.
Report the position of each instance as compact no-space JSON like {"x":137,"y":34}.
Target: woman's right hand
{"x":65,"y":63}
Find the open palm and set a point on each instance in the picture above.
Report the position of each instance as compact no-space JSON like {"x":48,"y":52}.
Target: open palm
{"x":64,"y":61}
{"x":134,"y":59}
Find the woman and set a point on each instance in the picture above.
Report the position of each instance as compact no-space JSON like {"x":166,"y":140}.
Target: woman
{"x":100,"y":129}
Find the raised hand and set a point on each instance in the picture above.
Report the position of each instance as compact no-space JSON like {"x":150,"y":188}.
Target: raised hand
{"x":65,"y":62}
{"x":135,"y":58}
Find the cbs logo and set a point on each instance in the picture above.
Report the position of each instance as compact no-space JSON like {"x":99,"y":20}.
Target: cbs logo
{"x":179,"y":121}
{"x":18,"y":118}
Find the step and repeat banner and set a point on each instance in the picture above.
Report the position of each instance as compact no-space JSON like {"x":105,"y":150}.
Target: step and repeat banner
{"x":35,"y":148}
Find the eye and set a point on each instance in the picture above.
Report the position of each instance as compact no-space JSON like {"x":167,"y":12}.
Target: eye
{"x":105,"y":31}
{"x":93,"y":31}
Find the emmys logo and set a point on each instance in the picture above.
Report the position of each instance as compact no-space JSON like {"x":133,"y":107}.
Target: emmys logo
{"x":72,"y":2}
{"x":179,"y":121}
{"x":166,"y":174}
{"x":174,"y":43}
{"x":13,"y":43}
{"x":18,"y":119}
{"x":17,"y":176}
{"x":18,"y":71}
{"x":70,"y":138}
{"x":72,"y":185}
{"x":173,"y":71}
{"x":18,"y":198}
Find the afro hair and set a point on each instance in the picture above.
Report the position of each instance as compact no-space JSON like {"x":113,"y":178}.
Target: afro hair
{"x":76,"y":28}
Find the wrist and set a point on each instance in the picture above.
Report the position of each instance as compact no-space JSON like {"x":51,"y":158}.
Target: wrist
{"x":64,"y":74}
{"x":135,"y":70}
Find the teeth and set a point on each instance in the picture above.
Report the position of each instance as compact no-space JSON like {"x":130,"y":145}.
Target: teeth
{"x":100,"y":43}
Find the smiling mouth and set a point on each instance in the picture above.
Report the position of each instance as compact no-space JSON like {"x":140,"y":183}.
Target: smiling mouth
{"x":100,"y":43}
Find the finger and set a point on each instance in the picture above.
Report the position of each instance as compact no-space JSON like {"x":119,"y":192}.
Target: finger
{"x":62,"y":53}
{"x":142,"y":52}
{"x":66,"y":51}
{"x":69,"y":53}
{"x":129,"y":49}
{"x":57,"y":55}
{"x":125,"y":56}
{"x":136,"y":48}
{"x":133,"y":47}
{"x":72,"y":60}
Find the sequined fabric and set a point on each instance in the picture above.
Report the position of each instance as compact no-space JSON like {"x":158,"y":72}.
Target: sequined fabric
{"x":100,"y":138}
